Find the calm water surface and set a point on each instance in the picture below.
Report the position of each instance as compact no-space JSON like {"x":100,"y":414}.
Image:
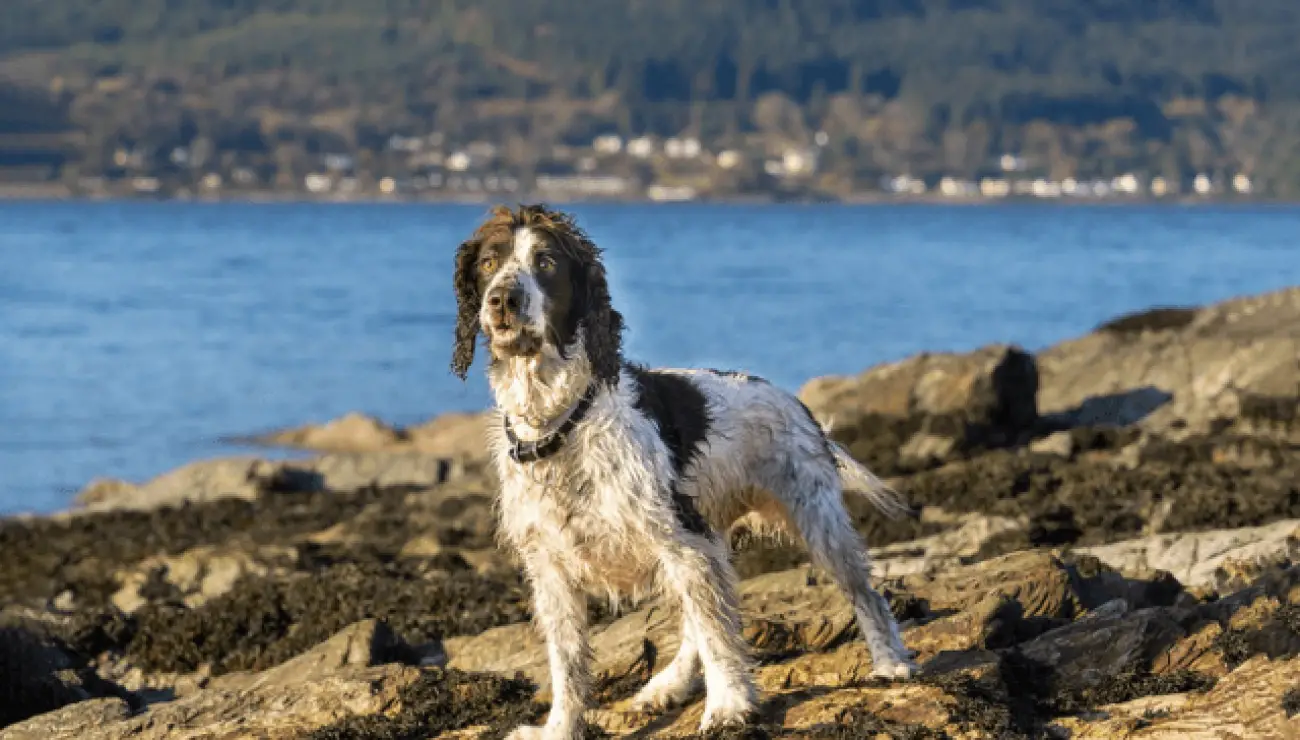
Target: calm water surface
{"x":134,"y":336}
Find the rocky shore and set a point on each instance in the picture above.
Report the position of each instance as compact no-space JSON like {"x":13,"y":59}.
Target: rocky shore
{"x":1107,"y":546}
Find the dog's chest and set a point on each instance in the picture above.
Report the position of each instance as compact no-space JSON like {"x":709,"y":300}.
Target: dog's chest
{"x":595,"y":528}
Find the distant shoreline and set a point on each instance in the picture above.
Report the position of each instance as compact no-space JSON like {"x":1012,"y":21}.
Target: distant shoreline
{"x":11,"y":192}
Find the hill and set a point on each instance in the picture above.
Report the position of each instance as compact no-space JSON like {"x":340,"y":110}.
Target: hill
{"x":1082,"y":89}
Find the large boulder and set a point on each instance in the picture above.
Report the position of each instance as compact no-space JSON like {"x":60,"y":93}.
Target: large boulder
{"x":452,"y":435}
{"x":1177,"y":372}
{"x":355,"y":684}
{"x":930,"y":406}
{"x":346,"y":675}
{"x":248,"y":478}
{"x":39,"y":674}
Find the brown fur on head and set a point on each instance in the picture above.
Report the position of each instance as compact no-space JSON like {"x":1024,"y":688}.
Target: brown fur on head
{"x":581,"y":305}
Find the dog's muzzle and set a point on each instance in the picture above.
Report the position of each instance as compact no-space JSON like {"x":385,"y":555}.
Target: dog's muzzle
{"x":505,"y":303}
{"x":506,"y":321}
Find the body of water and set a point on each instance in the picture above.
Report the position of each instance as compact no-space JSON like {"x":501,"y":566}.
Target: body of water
{"x":135,"y":336}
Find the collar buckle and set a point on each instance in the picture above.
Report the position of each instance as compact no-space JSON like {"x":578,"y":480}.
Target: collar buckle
{"x":532,"y":450}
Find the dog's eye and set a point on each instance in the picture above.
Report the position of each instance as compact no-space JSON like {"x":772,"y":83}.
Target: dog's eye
{"x":544,"y":263}
{"x":488,"y":265}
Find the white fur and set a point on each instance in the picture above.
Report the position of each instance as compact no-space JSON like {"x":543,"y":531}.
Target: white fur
{"x":517,"y":269}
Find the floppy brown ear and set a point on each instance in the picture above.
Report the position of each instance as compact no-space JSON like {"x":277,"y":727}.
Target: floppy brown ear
{"x":602,"y":326}
{"x":467,"y":305}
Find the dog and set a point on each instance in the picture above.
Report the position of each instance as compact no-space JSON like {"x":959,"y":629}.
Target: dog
{"x":617,"y":479}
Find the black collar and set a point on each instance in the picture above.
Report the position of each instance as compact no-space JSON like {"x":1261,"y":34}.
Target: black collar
{"x":540,"y":449}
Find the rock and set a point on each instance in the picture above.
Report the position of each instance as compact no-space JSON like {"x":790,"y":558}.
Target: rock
{"x":248,"y":478}
{"x":1196,"y":558}
{"x":38,"y":674}
{"x":1060,"y":444}
{"x":460,"y":436}
{"x":930,"y":406}
{"x":1023,"y":631}
{"x":965,"y":536}
{"x":364,"y":644}
{"x":346,"y":472}
{"x":340,"y":678}
{"x":1232,"y":366}
{"x":1246,"y":703}
{"x":351,"y":433}
{"x":196,"y":482}
{"x":800,"y":610}
{"x":1041,"y":583}
{"x":1089,"y":651}
{"x":71,"y":722}
{"x":194,"y":576}
{"x":811,"y":613}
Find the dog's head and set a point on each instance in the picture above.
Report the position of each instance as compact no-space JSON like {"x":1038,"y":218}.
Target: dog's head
{"x":530,"y":281}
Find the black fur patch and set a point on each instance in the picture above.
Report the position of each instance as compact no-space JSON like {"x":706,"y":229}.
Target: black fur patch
{"x":746,"y":377}
{"x":681,"y":412}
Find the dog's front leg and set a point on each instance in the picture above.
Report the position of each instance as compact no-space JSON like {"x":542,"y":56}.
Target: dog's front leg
{"x":697,"y":569}
{"x":560,"y":613}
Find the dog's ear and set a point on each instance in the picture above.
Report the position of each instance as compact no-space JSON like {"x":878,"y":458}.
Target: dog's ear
{"x":467,"y":305}
{"x":602,"y":325}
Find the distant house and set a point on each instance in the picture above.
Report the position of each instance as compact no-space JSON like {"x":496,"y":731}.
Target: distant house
{"x":243,"y":176}
{"x":1011,"y":163}
{"x":317,"y":183}
{"x":994,"y":187}
{"x":458,"y":161}
{"x":905,"y":184}
{"x":1126,"y":183}
{"x":146,"y":185}
{"x":799,"y":161}
{"x":607,"y":144}
{"x":729,"y":159}
{"x":684,"y":148}
{"x":641,"y":147}
{"x":582,"y":185}
{"x":954,"y":187}
{"x":671,"y":193}
{"x":1044,"y":188}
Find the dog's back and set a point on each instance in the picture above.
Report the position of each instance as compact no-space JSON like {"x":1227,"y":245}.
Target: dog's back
{"x":757,"y":449}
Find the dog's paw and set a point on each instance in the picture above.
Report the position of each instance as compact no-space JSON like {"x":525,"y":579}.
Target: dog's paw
{"x":737,"y":710}
{"x":527,"y":732}
{"x":897,"y":668}
{"x":667,"y":693}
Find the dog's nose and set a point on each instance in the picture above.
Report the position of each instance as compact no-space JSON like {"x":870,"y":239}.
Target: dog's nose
{"x":506,"y":299}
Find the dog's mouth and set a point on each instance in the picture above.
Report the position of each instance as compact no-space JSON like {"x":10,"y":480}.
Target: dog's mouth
{"x":512,"y":338}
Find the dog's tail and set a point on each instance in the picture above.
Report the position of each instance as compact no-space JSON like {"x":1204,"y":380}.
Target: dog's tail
{"x":856,"y":477}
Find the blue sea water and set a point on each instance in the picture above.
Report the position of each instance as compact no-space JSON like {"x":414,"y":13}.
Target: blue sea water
{"x":135,"y":336}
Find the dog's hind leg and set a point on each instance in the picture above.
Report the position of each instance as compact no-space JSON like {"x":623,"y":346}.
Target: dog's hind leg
{"x":677,"y":682}
{"x":816,"y":506}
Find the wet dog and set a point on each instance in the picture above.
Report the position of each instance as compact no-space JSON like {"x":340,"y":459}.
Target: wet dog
{"x":620,"y":479}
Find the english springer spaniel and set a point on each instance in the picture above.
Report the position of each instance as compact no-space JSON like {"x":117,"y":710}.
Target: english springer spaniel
{"x":620,"y":479}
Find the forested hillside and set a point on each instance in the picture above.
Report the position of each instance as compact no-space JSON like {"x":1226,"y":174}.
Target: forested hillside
{"x":1079,"y":88}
